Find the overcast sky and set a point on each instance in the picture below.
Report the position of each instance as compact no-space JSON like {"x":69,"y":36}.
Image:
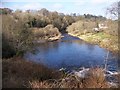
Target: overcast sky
{"x":95,"y":7}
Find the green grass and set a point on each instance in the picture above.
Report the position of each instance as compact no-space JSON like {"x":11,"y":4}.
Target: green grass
{"x":104,"y":40}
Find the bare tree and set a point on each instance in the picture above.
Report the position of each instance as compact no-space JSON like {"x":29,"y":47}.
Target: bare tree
{"x":114,"y":9}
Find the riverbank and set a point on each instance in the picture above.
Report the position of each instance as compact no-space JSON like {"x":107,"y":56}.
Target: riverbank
{"x":48,"y":33}
{"x":104,"y":40}
{"x":19,"y":73}
{"x":50,"y":39}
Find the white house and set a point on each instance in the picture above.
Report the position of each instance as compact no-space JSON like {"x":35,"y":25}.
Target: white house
{"x":102,"y":26}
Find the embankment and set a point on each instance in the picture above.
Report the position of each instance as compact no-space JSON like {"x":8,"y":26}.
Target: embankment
{"x":19,"y":73}
{"x":104,"y":40}
{"x":48,"y":33}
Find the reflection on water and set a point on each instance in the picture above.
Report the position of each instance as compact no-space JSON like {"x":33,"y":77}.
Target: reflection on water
{"x":70,"y":52}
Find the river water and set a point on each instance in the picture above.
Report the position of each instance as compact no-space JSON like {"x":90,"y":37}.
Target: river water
{"x":71,"y":53}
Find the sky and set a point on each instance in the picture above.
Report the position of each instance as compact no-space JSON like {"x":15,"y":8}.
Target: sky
{"x":95,"y":7}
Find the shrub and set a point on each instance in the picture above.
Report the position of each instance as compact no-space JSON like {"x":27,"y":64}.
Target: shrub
{"x":112,"y":28}
{"x":95,"y":79}
{"x":16,"y":35}
{"x":17,"y":73}
{"x":48,"y":31}
{"x":81,"y":27}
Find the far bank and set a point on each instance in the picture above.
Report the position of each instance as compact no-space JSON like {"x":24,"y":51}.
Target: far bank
{"x":104,"y":40}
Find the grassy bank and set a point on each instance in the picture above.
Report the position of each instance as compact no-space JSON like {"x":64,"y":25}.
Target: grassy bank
{"x":105,"y":37}
{"x":102,"y":39}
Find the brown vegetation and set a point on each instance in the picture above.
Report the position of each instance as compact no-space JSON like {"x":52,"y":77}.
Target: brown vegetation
{"x":94,"y":79}
{"x":81,"y":27}
{"x":107,"y":38}
{"x":15,"y":36}
{"x":17,"y":73}
{"x":46,"y":33}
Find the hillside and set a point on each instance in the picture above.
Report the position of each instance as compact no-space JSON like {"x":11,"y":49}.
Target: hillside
{"x":105,"y":37}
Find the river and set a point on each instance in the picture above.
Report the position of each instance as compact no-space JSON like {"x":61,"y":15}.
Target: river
{"x":71,"y":53}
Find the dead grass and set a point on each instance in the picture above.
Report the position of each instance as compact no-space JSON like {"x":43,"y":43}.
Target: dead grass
{"x":18,"y":72}
{"x":118,"y":79}
{"x":94,"y":79}
{"x":46,"y":32}
{"x":81,"y":27}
